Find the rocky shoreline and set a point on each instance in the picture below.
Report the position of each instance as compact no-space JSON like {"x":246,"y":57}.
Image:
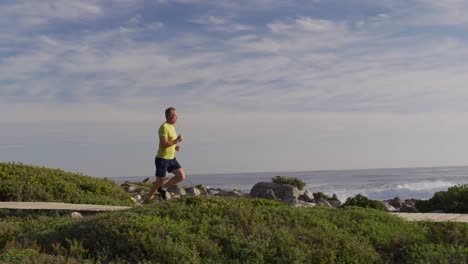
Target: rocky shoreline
{"x":285,"y":193}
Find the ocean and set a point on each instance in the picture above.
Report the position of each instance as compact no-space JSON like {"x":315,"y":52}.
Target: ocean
{"x":377,"y":184}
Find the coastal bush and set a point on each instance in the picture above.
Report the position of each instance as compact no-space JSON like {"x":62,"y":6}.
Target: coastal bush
{"x":437,"y":253}
{"x":27,"y":230}
{"x":362,"y":201}
{"x":298,"y":183}
{"x":34,"y":256}
{"x":228,"y":230}
{"x":454,"y":200}
{"x":321,"y":195}
{"x":20,"y":182}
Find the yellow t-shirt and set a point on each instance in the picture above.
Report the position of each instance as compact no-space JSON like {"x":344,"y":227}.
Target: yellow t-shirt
{"x":169,"y":132}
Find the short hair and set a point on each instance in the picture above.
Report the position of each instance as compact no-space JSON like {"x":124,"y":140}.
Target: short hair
{"x":169,"y":111}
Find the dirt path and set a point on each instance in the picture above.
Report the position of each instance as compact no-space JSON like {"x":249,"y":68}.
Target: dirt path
{"x":91,"y":207}
{"x":436,"y":217}
{"x":60,"y":206}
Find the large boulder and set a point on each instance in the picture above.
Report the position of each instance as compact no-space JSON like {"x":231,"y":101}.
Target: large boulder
{"x":213,"y":192}
{"x":177,"y":189}
{"x":397,"y":202}
{"x":307,"y":196}
{"x":203,"y":189}
{"x":324,"y":202}
{"x":335,"y":203}
{"x":267,"y":194}
{"x":300,"y":203}
{"x":230,"y":193}
{"x":389,"y":207}
{"x":193,"y":191}
{"x":280,"y":191}
{"x":407,"y":208}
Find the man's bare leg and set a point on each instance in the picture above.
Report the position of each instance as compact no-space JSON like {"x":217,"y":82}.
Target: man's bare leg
{"x":158,"y":183}
{"x":179,"y":176}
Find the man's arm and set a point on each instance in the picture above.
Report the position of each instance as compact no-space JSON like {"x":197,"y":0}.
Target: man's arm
{"x":165,"y":142}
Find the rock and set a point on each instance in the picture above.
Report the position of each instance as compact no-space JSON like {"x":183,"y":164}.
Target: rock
{"x":177,"y":189}
{"x":291,"y":200}
{"x":396,"y":202}
{"x":76,"y":215}
{"x":304,"y":204}
{"x":389,"y":207}
{"x":335,"y":203}
{"x":406,"y":208}
{"x":168,"y":196}
{"x":193,"y":191}
{"x":203,"y":189}
{"x":281,"y":191}
{"x":308,"y":196}
{"x":267,"y":194}
{"x":137,"y":197}
{"x":132,"y":188}
{"x":175,"y":196}
{"x":323,"y":202}
{"x":213,"y":192}
{"x":233,"y":193}
{"x":146,"y":180}
{"x":125,"y":186}
{"x":411,"y":202}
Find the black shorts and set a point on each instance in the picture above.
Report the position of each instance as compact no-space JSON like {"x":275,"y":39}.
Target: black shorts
{"x":163,"y":165}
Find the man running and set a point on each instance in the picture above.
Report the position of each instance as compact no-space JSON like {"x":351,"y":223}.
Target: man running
{"x":165,"y":159}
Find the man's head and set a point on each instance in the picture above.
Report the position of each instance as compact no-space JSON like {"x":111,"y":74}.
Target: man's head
{"x":171,"y":115}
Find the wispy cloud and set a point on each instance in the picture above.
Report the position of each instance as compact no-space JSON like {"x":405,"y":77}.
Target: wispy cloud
{"x":442,"y":13}
{"x":26,"y":14}
{"x":306,"y":24}
{"x":118,"y":62}
{"x":221,"y":24}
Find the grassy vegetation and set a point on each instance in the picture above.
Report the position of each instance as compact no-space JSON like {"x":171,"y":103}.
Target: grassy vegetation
{"x":20,"y":182}
{"x":362,"y":201}
{"x":207,"y":230}
{"x":229,"y":230}
{"x":298,"y":183}
{"x":455,"y":200}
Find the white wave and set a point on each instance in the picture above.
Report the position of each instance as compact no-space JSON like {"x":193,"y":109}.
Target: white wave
{"x":425,"y":185}
{"x":343,"y":195}
{"x":418,"y":190}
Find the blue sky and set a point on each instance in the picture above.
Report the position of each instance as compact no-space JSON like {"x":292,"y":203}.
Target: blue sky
{"x":259,"y":85}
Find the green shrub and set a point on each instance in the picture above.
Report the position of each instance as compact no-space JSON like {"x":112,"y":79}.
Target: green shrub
{"x":212,"y":230}
{"x":299,"y":184}
{"x":33,"y":256}
{"x":455,"y":200}
{"x":437,"y":253}
{"x":19,"y":182}
{"x":242,"y":230}
{"x":321,"y":195}
{"x":8,"y":232}
{"x":362,"y":201}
